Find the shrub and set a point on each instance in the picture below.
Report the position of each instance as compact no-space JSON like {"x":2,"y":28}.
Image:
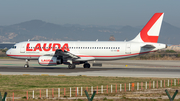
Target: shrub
{"x":80,"y":100}
{"x":170,"y":51}
{"x":4,"y":50}
{"x":178,"y":55}
{"x":24,"y":97}
{"x":105,"y":98}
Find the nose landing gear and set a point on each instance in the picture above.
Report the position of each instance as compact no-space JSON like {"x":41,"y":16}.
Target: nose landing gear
{"x":27,"y":64}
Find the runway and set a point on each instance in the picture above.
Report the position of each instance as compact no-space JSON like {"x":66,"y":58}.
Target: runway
{"x":118,"y":68}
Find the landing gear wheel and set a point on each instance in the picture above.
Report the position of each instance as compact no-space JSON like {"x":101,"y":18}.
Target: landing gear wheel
{"x":26,"y":66}
{"x":86,"y":65}
{"x":71,"y":66}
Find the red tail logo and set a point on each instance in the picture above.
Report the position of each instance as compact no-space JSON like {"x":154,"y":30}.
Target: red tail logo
{"x":144,"y":32}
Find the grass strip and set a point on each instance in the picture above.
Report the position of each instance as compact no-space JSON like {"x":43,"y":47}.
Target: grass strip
{"x":26,"y":82}
{"x":20,"y":84}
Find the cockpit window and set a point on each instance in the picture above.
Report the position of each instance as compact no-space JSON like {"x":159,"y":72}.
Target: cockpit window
{"x":14,"y":47}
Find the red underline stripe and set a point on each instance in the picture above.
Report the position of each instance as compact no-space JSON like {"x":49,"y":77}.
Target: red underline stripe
{"x":24,"y":55}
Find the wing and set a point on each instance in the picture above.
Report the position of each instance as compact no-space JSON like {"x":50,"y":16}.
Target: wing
{"x":65,"y":54}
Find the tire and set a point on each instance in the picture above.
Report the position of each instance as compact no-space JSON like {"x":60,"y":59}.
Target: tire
{"x":26,"y":66}
{"x":86,"y":65}
{"x":71,"y":66}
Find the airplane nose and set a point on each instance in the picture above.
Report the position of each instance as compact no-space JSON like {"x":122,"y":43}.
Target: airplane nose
{"x":8,"y":52}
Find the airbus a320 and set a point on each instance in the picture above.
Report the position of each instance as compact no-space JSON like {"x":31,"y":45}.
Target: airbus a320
{"x":72,"y":53}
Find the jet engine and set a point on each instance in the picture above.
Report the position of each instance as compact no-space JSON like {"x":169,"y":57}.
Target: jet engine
{"x":49,"y":60}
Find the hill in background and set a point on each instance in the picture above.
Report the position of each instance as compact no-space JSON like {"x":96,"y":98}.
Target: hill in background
{"x":40,"y":30}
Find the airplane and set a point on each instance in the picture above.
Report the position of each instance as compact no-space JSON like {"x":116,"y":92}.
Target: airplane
{"x":72,"y":53}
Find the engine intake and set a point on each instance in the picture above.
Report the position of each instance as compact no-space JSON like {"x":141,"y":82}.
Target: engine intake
{"x":49,"y":60}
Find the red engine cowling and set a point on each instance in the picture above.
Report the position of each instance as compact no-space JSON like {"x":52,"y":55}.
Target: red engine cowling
{"x":49,"y":60}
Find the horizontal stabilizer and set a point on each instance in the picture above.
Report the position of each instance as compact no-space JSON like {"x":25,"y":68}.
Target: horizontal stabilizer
{"x":148,"y":46}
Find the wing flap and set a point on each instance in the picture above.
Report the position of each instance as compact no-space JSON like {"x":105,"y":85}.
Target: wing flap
{"x":65,"y":54}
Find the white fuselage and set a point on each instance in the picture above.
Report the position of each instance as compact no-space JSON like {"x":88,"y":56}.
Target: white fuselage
{"x":86,"y":50}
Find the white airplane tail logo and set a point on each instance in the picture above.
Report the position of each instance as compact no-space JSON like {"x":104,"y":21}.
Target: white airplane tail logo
{"x":150,"y":32}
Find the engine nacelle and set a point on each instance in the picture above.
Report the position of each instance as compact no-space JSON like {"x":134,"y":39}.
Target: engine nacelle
{"x":49,"y":60}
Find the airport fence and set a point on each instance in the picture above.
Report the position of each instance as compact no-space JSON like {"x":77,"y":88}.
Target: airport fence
{"x":108,"y":90}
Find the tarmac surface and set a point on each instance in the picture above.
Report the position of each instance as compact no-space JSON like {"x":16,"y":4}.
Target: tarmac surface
{"x":117,"y":68}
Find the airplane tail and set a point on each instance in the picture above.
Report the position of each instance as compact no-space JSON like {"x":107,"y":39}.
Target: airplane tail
{"x":150,"y":32}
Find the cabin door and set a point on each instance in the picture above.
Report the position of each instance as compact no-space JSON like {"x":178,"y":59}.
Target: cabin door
{"x":128,"y":48}
{"x":22,"y":49}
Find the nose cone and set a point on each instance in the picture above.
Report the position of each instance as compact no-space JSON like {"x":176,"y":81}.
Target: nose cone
{"x":8,"y":52}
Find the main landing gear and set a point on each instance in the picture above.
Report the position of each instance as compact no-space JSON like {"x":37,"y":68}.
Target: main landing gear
{"x":86,"y":65}
{"x":73,"y":66}
{"x":27,"y":64}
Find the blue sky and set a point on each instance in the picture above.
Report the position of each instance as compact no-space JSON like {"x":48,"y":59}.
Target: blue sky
{"x":89,"y":12}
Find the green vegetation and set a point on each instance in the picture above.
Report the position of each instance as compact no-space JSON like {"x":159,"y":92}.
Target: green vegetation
{"x":5,"y":57}
{"x":25,"y":82}
{"x":3,"y":50}
{"x":96,"y":100}
{"x":29,"y":82}
{"x":170,"y":51}
{"x":159,"y":55}
{"x":178,"y":55}
{"x":20,"y":84}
